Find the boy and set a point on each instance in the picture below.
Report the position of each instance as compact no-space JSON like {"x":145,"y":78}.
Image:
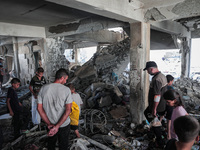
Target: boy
{"x":187,"y":129}
{"x":35,"y":85}
{"x":16,"y":109}
{"x":76,"y":110}
{"x":170,"y":80}
{"x":169,"y":109}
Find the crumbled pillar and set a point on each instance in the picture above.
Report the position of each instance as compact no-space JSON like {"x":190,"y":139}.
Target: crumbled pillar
{"x":16,"y":58}
{"x":139,"y":54}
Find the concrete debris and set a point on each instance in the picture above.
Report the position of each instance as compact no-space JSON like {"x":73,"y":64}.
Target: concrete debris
{"x":101,"y":66}
{"x":190,"y":90}
{"x":99,"y":145}
{"x":80,"y":144}
{"x":119,"y":112}
{"x":187,"y":8}
{"x":94,"y":121}
{"x":153,"y":15}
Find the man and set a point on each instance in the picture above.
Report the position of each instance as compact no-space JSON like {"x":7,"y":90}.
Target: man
{"x":35,"y":85}
{"x":156,"y":101}
{"x":54,"y":107}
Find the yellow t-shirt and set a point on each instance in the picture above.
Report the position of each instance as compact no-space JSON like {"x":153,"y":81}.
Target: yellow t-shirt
{"x":74,"y":115}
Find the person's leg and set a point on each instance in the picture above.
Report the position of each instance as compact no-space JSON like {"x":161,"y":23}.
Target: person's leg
{"x":63,"y":137}
{"x":77,"y":133}
{"x":25,"y":118}
{"x":36,"y":119}
{"x":1,"y":138}
{"x":16,"y":123}
{"x":52,"y":142}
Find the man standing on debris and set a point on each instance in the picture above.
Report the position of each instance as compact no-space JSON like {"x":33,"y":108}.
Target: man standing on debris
{"x":35,"y":85}
{"x":156,"y":101}
{"x":54,"y":107}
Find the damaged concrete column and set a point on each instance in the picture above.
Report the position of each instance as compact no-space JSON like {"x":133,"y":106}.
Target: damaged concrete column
{"x":16,"y":58}
{"x":139,"y":54}
{"x":185,"y":56}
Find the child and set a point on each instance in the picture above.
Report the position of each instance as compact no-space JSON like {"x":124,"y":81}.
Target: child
{"x":173,"y":99}
{"x":170,"y":80}
{"x":76,"y":107}
{"x":35,"y":85}
{"x":15,"y":108}
{"x":169,"y":109}
{"x":187,"y":129}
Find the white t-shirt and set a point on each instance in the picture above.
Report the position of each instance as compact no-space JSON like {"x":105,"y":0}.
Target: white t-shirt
{"x":54,"y":97}
{"x":77,"y":99}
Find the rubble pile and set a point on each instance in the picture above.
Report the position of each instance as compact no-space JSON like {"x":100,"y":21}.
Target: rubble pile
{"x":100,"y":68}
{"x":190,"y":90}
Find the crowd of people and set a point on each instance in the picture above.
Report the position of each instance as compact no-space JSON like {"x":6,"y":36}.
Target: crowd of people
{"x":59,"y":106}
{"x":165,"y":101}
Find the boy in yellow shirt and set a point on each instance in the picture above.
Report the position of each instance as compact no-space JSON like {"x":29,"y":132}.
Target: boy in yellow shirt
{"x":74,"y":115}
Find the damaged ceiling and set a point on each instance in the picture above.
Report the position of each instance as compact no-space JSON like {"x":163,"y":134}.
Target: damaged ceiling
{"x":79,"y":20}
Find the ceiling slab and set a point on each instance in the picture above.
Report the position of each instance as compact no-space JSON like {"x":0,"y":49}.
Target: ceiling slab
{"x":126,"y":11}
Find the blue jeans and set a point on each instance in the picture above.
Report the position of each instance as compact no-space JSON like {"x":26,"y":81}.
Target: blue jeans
{"x":63,"y":139}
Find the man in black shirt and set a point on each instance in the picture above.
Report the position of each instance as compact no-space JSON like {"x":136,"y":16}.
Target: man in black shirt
{"x":35,"y":85}
{"x":157,"y":104}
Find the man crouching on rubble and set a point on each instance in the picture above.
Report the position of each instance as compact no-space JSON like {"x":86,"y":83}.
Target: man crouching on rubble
{"x":54,"y":107}
{"x":157,"y":104}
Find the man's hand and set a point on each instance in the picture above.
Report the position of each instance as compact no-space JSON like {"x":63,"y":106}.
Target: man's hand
{"x":154,"y":113}
{"x":35,"y":96}
{"x":53,"y":131}
{"x":50,"y":126}
{"x":168,"y":136}
{"x":11,"y":113}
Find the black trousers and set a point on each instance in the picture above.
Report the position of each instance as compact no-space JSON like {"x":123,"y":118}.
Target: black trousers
{"x":20,"y":121}
{"x":1,"y":138}
{"x":157,"y":130}
{"x":63,"y":139}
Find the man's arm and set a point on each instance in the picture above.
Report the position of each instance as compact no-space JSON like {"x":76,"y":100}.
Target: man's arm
{"x":31,"y":89}
{"x":168,"y":129}
{"x":156,"y":102}
{"x":9,"y":107}
{"x":43,"y":115}
{"x":54,"y":130}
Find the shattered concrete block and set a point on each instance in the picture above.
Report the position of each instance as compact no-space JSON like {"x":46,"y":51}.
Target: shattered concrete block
{"x":94,"y":86}
{"x":119,"y":112}
{"x":5,"y":120}
{"x":117,"y":91}
{"x":86,"y":72}
{"x":105,"y":101}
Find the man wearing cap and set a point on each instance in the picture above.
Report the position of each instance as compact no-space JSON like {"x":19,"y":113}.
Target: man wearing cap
{"x":156,"y":101}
